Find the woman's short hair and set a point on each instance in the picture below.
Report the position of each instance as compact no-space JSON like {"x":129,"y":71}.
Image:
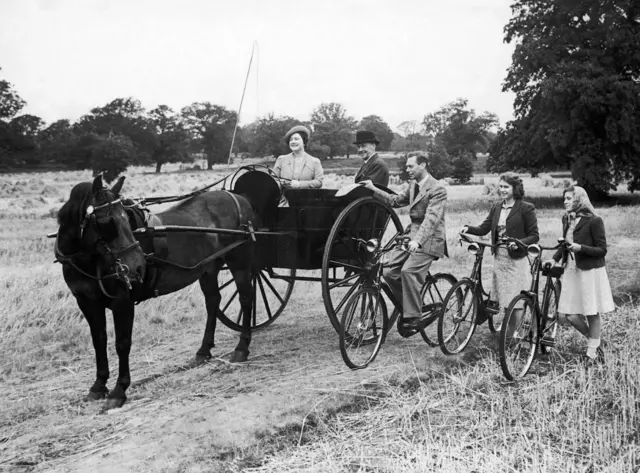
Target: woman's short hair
{"x":514,"y":181}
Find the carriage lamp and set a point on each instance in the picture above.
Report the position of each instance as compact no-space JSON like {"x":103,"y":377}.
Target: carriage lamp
{"x":533,"y":250}
{"x":473,"y":248}
{"x":372,"y":245}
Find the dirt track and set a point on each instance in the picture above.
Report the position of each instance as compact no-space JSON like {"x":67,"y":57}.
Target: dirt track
{"x":176,"y":415}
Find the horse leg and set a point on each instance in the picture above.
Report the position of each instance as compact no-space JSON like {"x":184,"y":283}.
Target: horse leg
{"x":209,"y":286}
{"x":245,"y":295}
{"x":94,"y":313}
{"x":123,"y":314}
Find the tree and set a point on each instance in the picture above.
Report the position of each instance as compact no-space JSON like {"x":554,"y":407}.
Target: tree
{"x":380,"y":128}
{"x":111,"y":155}
{"x":10,"y":102}
{"x":212,"y":128}
{"x":268,"y":135}
{"x":459,"y":129}
{"x":57,"y":142}
{"x":333,"y":128}
{"x":122,"y":116}
{"x":170,"y":143}
{"x":575,"y":72}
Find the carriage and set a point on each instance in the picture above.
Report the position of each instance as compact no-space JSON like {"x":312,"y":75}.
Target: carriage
{"x":320,"y":232}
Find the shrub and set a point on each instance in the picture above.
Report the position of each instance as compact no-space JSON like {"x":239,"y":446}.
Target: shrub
{"x":490,"y":189}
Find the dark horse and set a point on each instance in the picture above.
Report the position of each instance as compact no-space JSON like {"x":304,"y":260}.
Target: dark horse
{"x":105,"y":266}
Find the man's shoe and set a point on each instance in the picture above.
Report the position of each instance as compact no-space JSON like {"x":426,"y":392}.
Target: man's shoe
{"x":411,"y":326}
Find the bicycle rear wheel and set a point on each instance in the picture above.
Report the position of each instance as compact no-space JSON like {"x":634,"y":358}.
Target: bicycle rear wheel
{"x":433,"y":294}
{"x":457,"y":321}
{"x":362,"y":328}
{"x":518,"y":338}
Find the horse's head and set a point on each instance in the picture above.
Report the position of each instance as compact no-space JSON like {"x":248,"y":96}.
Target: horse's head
{"x":93,"y":221}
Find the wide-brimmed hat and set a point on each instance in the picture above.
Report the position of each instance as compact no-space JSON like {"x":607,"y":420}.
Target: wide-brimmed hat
{"x":297,"y":129}
{"x":365,"y":137}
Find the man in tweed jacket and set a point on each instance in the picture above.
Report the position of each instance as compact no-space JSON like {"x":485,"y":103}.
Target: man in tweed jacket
{"x":407,"y":270}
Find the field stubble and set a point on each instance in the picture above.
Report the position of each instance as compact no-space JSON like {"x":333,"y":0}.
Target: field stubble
{"x":295,"y":407}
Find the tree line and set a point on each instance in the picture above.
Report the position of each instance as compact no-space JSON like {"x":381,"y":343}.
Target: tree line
{"x":123,"y":133}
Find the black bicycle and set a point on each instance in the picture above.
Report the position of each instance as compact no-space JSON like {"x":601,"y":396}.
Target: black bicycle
{"x":365,"y":321}
{"x":467,"y":304}
{"x":531,"y":320}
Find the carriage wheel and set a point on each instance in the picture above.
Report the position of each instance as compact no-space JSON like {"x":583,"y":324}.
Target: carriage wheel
{"x":270,"y":296}
{"x":345,"y":264}
{"x":364,"y":323}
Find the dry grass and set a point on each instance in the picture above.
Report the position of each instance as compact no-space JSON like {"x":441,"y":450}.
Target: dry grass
{"x":403,"y":414}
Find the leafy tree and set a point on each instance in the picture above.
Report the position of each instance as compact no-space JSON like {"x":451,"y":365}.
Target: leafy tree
{"x":10,"y":102}
{"x":439,"y":161}
{"x":409,"y":127}
{"x":122,"y":116}
{"x":211,"y":126}
{"x":57,"y":143}
{"x":576,"y":75}
{"x":412,"y":142}
{"x":332,"y":127}
{"x":381,"y":129}
{"x":463,"y":168}
{"x":170,"y":144}
{"x":268,"y":135}
{"x":111,"y":155}
{"x":459,"y":129}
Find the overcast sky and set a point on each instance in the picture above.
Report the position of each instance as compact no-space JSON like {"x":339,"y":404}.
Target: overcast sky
{"x":398,"y":59}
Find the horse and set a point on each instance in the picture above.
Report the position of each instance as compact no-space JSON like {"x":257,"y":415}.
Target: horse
{"x":104,"y":266}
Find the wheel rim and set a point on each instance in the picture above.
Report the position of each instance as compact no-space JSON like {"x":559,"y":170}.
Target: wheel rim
{"x":518,"y":338}
{"x":362,"y":328}
{"x":433,"y":295}
{"x":458,"y":319}
{"x":270,"y":296}
{"x":496,"y":320}
{"x":549,"y":324}
{"x":344,"y":265}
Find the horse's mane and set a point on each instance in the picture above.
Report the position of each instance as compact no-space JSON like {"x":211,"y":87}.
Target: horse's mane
{"x":71,"y":213}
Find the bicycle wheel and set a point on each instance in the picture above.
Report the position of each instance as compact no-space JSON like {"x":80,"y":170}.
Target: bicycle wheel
{"x":457,"y":320}
{"x":495,"y":320}
{"x":518,"y":337}
{"x":549,"y":322}
{"x":432,"y":294}
{"x":362,"y":327}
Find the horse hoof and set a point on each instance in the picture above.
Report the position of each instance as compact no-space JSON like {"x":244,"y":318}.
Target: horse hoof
{"x":239,"y":356}
{"x":113,"y":403}
{"x":200,"y":359}
{"x":95,"y":396}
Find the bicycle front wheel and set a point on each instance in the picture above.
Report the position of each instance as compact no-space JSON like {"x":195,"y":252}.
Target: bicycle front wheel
{"x":457,"y":320}
{"x":362,"y":327}
{"x":433,"y":294}
{"x":518,"y":337}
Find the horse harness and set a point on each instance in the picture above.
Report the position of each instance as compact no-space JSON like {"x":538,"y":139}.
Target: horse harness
{"x":106,"y":229}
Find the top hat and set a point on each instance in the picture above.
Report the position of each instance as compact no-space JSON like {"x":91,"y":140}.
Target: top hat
{"x":297,"y":129}
{"x":365,"y":137}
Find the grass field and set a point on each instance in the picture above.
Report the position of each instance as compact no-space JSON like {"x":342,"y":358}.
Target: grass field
{"x":295,"y":407}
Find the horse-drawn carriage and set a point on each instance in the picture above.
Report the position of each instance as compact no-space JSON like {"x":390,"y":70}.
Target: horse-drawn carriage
{"x":245,"y":250}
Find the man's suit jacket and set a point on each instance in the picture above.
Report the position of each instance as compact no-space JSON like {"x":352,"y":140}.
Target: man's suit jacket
{"x":427,"y":213}
{"x":589,"y":234}
{"x":521,"y":224}
{"x":375,"y":170}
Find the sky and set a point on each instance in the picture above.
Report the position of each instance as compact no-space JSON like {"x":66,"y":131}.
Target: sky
{"x":399,"y":59}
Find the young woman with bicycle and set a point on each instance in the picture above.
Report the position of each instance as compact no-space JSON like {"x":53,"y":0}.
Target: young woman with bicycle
{"x":586,"y":292}
{"x":509,"y":217}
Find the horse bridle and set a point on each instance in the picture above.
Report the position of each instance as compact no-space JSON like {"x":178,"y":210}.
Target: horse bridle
{"x":121,"y":270}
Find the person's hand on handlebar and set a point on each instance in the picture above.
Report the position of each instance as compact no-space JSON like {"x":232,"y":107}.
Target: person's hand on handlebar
{"x":464,"y":229}
{"x":574,"y":247}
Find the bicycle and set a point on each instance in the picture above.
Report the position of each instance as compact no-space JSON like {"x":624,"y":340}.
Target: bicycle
{"x":530,"y":323}
{"x":467,"y":304}
{"x":365,"y":321}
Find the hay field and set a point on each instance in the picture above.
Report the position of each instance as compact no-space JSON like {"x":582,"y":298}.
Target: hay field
{"x":295,"y":406}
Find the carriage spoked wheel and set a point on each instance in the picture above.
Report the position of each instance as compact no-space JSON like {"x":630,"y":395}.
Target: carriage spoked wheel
{"x":362,"y":328}
{"x":270,"y":296}
{"x":346,"y":263}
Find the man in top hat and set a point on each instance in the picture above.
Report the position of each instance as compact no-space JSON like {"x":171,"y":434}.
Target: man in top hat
{"x":407,"y":269}
{"x":374,"y":168}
